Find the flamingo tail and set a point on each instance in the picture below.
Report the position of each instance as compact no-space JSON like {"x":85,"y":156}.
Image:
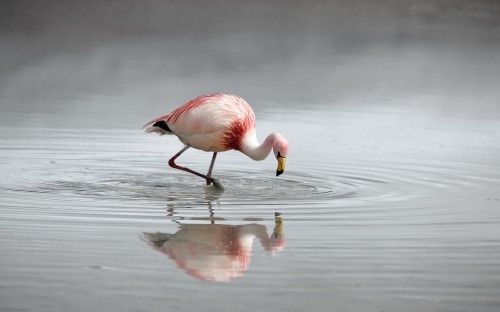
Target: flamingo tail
{"x":158,"y":125}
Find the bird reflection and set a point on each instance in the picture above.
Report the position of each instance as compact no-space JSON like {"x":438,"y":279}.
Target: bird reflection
{"x":216,"y":252}
{"x":212,"y":194}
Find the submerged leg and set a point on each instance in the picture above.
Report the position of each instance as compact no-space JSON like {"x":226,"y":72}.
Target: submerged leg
{"x":211,"y":167}
{"x":172,"y":164}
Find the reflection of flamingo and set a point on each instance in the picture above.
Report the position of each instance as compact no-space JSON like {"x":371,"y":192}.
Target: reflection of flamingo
{"x":216,"y":252}
{"x":217,"y":123}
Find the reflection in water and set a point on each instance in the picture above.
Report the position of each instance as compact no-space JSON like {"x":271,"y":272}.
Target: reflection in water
{"x":216,"y":252}
{"x":211,"y":194}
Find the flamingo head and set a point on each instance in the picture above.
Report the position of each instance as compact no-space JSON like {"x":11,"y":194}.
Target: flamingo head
{"x":280,"y":149}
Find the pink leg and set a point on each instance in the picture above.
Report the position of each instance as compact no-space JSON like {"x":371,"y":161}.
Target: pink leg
{"x":172,"y":164}
{"x":209,"y":174}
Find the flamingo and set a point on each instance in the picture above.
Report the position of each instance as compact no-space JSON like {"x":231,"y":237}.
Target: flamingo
{"x":217,"y":123}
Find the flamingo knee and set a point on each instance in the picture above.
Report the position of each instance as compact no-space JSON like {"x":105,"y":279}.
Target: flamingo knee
{"x":171,"y":163}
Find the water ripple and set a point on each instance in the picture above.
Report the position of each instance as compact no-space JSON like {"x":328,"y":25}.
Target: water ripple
{"x":144,"y":193}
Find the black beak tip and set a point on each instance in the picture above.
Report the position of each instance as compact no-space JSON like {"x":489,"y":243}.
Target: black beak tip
{"x":278,"y":172}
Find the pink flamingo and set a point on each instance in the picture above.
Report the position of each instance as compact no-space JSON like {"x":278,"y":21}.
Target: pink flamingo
{"x":217,"y":123}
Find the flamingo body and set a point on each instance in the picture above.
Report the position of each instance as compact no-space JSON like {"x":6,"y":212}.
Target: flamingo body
{"x":213,"y":123}
{"x":217,"y":123}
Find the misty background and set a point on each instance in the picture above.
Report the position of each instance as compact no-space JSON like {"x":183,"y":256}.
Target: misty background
{"x":120,"y":63}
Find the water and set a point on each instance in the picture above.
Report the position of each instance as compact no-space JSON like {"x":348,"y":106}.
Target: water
{"x":390,"y":197}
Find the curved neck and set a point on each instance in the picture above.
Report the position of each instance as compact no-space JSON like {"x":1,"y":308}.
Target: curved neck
{"x":251,"y":147}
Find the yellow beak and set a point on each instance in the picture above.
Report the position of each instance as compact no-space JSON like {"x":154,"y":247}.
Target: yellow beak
{"x":281,"y":165}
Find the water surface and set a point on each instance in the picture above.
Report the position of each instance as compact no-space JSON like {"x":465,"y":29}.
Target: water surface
{"x":390,"y":198}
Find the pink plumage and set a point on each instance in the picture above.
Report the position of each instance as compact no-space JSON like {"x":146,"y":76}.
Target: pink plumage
{"x":217,"y":123}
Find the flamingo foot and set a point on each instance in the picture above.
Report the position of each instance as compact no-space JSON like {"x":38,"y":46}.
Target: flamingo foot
{"x":216,"y":184}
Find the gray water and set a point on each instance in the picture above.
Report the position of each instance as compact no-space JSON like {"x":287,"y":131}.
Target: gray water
{"x":390,"y":200}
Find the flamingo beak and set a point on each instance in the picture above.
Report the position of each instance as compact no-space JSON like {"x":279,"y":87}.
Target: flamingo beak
{"x":281,"y":165}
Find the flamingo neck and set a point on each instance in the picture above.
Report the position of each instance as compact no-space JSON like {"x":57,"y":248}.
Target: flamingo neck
{"x":251,"y":147}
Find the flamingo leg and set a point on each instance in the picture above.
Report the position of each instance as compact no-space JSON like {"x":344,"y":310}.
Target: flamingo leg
{"x":172,"y":164}
{"x":211,"y":167}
